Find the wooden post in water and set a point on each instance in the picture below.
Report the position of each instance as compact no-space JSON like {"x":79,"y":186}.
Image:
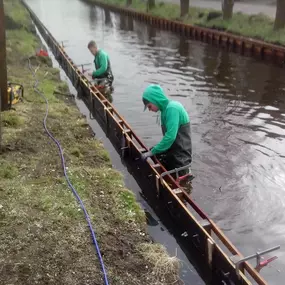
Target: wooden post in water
{"x":3,"y":64}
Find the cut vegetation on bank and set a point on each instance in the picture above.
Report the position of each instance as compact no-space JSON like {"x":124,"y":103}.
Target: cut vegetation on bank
{"x":44,"y":236}
{"x":254,"y":26}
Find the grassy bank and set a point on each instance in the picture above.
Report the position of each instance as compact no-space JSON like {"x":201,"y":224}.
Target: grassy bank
{"x":255,"y":26}
{"x":44,"y":236}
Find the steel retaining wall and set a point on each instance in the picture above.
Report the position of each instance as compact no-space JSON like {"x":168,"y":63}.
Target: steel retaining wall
{"x":243,"y":45}
{"x":200,"y":235}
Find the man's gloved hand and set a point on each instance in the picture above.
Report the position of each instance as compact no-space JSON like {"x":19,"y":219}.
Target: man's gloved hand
{"x":145,"y":155}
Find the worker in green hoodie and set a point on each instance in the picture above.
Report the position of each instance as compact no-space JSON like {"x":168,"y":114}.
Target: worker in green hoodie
{"x":102,"y":64}
{"x":175,"y":148}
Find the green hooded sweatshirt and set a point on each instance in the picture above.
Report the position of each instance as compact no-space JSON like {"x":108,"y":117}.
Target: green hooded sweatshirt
{"x":173,"y":116}
{"x":102,"y":64}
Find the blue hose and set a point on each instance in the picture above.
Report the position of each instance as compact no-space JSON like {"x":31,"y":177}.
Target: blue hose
{"x":67,"y":178}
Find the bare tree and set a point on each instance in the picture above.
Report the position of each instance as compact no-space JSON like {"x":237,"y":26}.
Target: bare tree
{"x":184,"y":7}
{"x":280,"y":15}
{"x":227,"y":8}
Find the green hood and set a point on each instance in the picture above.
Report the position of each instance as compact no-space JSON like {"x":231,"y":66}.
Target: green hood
{"x":155,"y":95}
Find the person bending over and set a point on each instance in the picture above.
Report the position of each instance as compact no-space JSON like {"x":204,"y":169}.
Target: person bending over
{"x":175,"y":148}
{"x":102,"y":64}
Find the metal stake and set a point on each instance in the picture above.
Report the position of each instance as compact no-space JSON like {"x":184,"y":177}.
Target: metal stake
{"x":237,"y":260}
{"x":176,"y":170}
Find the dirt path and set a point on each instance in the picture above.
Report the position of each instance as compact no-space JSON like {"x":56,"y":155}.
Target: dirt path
{"x":247,"y":8}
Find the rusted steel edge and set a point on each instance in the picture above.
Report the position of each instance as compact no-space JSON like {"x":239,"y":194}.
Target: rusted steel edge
{"x":243,"y":45}
{"x":167,"y":181}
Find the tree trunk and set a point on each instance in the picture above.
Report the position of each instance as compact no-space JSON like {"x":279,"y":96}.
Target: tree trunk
{"x":0,"y":126}
{"x":184,"y":7}
{"x":3,"y":64}
{"x":129,"y":2}
{"x":150,"y":5}
{"x":227,"y":8}
{"x":280,"y":15}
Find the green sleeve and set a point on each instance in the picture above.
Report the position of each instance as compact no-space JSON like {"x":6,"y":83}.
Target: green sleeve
{"x":172,"y":126}
{"x":103,"y":63}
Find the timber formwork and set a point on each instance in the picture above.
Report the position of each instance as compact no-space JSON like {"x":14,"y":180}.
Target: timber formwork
{"x":242,"y":45}
{"x":201,"y":236}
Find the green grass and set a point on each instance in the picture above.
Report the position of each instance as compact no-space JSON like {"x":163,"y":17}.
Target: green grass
{"x":16,"y":12}
{"x":21,"y":42}
{"x":130,"y":210}
{"x":254,"y":26}
{"x":43,"y":232}
{"x":7,"y":170}
{"x":11,"y":119}
{"x":63,"y":88}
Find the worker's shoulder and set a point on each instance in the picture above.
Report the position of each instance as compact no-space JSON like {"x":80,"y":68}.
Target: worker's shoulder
{"x":103,"y":53}
{"x":174,"y":105}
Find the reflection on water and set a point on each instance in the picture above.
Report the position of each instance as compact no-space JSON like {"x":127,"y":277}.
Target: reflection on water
{"x":236,"y":106}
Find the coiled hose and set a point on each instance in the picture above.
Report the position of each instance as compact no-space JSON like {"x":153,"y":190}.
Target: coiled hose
{"x":93,"y":235}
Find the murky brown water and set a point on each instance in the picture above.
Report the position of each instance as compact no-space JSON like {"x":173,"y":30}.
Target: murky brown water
{"x":237,"y":110}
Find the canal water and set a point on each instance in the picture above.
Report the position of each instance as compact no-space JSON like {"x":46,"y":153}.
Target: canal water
{"x":237,"y":111}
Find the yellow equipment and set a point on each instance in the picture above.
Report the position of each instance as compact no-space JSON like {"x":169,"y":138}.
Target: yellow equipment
{"x":15,"y":93}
